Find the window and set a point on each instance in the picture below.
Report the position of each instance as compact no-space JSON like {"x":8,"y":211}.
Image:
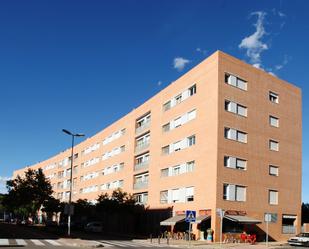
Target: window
{"x":164,"y":172}
{"x":164,"y":197}
{"x":178,"y":98}
{"x":189,"y":194}
{"x":236,"y":135}
{"x":235,"y":163}
{"x":143,"y":122}
{"x":141,"y":198}
{"x":190,"y":166}
{"x":177,"y":145}
{"x":273,"y":197}
{"x":166,"y":127}
{"x":167,"y":105}
{"x":274,"y":97}
{"x":176,"y":170}
{"x":191,"y":115}
{"x":273,"y":170}
{"x":235,"y":108}
{"x":191,"y":140}
{"x":273,"y":145}
{"x":166,"y":150}
{"x":175,"y":195}
{"x":192,"y":90}
{"x":177,"y":122}
{"x":273,"y":121}
{"x":235,"y":81}
{"x":234,"y":192}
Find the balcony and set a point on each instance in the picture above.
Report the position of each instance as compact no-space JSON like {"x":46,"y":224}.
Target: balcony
{"x":142,"y":146}
{"x":142,"y":165}
{"x":140,"y":185}
{"x":143,"y":127}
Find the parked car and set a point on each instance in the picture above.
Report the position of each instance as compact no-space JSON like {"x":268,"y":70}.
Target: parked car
{"x":95,"y":227}
{"x":301,"y":239}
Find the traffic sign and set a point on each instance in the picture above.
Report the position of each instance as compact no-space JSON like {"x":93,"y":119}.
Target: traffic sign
{"x":190,"y":216}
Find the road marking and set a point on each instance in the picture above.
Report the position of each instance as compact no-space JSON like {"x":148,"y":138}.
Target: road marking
{"x":37,"y":242}
{"x":53,"y":242}
{"x":21,"y":242}
{"x":116,"y":243}
{"x":4,"y":242}
{"x":146,"y":244}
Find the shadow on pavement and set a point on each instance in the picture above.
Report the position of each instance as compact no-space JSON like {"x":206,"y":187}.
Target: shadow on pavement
{"x":13,"y":231}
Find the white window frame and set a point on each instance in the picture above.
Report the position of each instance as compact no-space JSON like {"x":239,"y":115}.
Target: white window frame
{"x":230,"y":192}
{"x":235,"y":163}
{"x":229,"y":133}
{"x":273,"y":170}
{"x":235,"y":81}
{"x":273,"y":197}
{"x":273,"y":97}
{"x":228,"y":106}
{"x":273,"y":121}
{"x":273,"y":145}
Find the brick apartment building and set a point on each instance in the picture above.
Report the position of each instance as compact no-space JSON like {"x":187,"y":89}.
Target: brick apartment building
{"x":224,"y":135}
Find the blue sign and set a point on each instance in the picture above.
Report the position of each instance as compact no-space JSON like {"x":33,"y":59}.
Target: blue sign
{"x":190,"y":216}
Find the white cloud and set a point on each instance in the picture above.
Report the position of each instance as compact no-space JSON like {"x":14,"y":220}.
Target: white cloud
{"x":3,"y":180}
{"x":271,"y":73}
{"x":284,"y":62}
{"x":253,"y":43}
{"x":180,"y":63}
{"x":281,"y":14}
{"x":202,"y":51}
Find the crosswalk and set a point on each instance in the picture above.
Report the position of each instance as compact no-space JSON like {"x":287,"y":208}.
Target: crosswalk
{"x":130,"y":243}
{"x":30,"y":242}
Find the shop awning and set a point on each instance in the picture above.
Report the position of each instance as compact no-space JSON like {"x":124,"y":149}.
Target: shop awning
{"x":242,"y":219}
{"x":201,"y":218}
{"x":172,"y":220}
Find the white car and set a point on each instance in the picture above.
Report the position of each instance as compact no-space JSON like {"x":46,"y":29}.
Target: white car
{"x":94,"y":226}
{"x":301,"y":239}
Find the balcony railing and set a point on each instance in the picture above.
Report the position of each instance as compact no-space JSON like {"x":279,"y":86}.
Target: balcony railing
{"x":142,"y":165}
{"x":139,"y":185}
{"x":142,"y":146}
{"x":288,"y":229}
{"x":142,"y":127}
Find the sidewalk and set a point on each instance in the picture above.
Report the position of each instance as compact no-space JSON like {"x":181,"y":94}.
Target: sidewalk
{"x":205,"y":244}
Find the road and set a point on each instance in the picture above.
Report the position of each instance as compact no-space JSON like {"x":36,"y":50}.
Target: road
{"x":12,"y":235}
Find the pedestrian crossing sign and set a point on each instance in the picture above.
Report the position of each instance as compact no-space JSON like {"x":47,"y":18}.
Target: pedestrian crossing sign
{"x":190,"y":216}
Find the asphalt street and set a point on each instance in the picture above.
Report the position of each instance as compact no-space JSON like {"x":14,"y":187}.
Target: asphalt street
{"x":12,"y":235}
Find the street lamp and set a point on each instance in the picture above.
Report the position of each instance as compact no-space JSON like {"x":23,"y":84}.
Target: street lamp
{"x":71,"y":175}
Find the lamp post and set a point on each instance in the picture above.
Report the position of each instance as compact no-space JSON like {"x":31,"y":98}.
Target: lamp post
{"x":71,"y":175}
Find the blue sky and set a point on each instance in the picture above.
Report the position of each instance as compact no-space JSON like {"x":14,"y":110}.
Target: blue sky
{"x":81,"y":65}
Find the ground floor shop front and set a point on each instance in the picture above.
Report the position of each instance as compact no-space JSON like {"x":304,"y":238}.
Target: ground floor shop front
{"x":232,"y":226}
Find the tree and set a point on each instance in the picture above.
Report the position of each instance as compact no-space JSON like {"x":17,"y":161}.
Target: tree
{"x":27,"y":194}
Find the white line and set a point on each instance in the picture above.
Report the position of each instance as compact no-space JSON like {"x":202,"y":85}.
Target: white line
{"x":21,"y":242}
{"x":4,"y":242}
{"x":145,"y":243}
{"x":116,"y":243}
{"x":37,"y":242}
{"x":54,"y":243}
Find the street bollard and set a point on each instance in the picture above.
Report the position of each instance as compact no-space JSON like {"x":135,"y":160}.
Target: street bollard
{"x":150,"y":238}
{"x":168,"y":240}
{"x":159,"y":240}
